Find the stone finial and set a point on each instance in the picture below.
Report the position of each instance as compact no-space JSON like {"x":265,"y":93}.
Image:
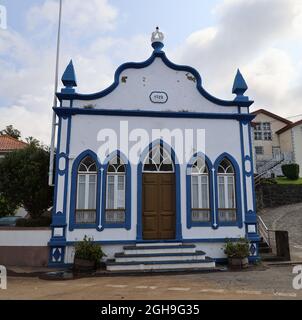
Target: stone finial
{"x":239,"y":86}
{"x":157,"y":39}
{"x":69,"y":77}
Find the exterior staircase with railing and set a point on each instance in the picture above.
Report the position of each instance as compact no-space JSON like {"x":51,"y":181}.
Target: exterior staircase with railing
{"x":267,"y":167}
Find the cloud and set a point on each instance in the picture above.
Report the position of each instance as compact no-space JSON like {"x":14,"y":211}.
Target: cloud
{"x":249,"y":34}
{"x":78,"y":16}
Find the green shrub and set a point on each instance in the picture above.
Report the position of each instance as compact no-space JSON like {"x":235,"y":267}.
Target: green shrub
{"x":89,"y":250}
{"x":7,"y":208}
{"x":238,"y":249}
{"x":291,"y":171}
{"x":43,"y":221}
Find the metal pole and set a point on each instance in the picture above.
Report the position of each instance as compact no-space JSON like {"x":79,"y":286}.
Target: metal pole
{"x":54,"y":118}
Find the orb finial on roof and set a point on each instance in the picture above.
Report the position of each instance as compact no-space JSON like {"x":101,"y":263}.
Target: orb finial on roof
{"x":157,"y":39}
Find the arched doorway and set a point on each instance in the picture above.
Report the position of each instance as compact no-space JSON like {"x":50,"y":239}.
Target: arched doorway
{"x":158,"y":195}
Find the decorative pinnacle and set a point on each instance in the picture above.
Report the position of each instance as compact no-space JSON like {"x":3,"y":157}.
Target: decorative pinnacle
{"x":157,"y":40}
{"x":69,"y":77}
{"x":239,"y":86}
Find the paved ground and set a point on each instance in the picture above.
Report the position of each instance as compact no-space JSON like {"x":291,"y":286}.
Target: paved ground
{"x":262,"y":282}
{"x":288,"y":218}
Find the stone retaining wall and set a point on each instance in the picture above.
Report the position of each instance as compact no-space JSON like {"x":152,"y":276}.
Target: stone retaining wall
{"x":275,"y":195}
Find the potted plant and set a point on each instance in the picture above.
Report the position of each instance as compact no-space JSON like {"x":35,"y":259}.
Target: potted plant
{"x":237,"y":253}
{"x":88,"y":255}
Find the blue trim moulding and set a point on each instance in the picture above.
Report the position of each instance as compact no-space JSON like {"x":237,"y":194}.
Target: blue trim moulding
{"x":209,"y":165}
{"x":139,"y":65}
{"x":139,"y":231}
{"x":239,"y":212}
{"x":127,"y":223}
{"x":67,"y":112}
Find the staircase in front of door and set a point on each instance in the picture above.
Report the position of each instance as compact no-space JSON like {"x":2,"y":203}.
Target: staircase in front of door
{"x":160,"y":257}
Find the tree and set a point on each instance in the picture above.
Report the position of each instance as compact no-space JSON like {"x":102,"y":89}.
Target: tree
{"x":11,"y":131}
{"x":7,"y":208}
{"x":33,"y":141}
{"x":24,"y":179}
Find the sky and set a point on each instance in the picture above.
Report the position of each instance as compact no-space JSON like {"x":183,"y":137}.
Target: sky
{"x":261,"y":37}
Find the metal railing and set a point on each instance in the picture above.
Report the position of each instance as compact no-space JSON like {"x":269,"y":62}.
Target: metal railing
{"x":267,"y":167}
{"x":268,"y":235}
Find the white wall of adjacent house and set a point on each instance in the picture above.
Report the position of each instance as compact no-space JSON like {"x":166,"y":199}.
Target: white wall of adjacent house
{"x":297,"y":141}
{"x":269,"y":144}
{"x":285,"y":139}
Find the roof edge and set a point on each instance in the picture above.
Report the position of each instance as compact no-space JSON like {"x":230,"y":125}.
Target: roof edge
{"x":138,"y":65}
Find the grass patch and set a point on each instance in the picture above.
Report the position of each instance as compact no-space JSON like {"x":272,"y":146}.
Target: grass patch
{"x":284,"y":180}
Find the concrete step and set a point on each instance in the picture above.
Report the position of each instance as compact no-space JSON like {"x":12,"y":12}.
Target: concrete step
{"x":122,"y":257}
{"x":208,"y":263}
{"x":162,"y":244}
{"x":265,"y":249}
{"x":153,"y":249}
{"x":270,"y":257}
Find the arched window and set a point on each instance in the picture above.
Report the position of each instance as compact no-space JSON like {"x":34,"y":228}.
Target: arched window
{"x":200,"y":202}
{"x":158,"y":160}
{"x":226,"y":191}
{"x":116,"y":191}
{"x":86,"y":192}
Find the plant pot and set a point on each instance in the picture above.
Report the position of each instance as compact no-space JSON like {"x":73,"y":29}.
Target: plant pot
{"x":83,"y":265}
{"x":238,"y":263}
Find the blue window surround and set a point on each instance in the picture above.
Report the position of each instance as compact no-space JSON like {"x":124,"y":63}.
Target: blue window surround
{"x":73,"y":193}
{"x":238,"y":221}
{"x":191,"y":223}
{"x":139,"y":231}
{"x":127,"y":224}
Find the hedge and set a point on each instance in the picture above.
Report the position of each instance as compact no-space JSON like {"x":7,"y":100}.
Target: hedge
{"x":43,"y":221}
{"x":291,"y":171}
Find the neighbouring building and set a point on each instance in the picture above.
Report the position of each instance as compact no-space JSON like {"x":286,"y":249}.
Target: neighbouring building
{"x":148,"y":208}
{"x":276,"y":141}
{"x":9,"y":144}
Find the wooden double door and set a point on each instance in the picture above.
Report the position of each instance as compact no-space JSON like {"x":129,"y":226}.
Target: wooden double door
{"x":159,"y":217}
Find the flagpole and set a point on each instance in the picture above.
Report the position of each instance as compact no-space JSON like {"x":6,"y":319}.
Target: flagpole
{"x":55,"y":101}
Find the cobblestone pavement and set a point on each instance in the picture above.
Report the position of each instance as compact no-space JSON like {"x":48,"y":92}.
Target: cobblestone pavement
{"x":261,"y":282}
{"x":288,"y":218}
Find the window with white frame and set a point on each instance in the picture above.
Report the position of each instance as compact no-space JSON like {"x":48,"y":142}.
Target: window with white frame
{"x":158,"y":160}
{"x":267,"y":135}
{"x":257,"y":135}
{"x":266,"y":126}
{"x":200,"y":202}
{"x":86,"y":192}
{"x":226,"y":192}
{"x":116,"y":191}
{"x":259,"y":150}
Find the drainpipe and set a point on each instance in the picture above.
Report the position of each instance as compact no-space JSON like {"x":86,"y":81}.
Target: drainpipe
{"x":55,"y":103}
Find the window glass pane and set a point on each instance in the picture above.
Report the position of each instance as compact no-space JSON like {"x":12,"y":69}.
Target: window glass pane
{"x":121,"y":192}
{"x":81,"y":178}
{"x":200,"y":215}
{"x":195,"y":192}
{"x":85,"y":216}
{"x":221,"y":192}
{"x":92,"y":192}
{"x":110,"y":192}
{"x":81,"y":193}
{"x":204,"y":192}
{"x":231,"y":195}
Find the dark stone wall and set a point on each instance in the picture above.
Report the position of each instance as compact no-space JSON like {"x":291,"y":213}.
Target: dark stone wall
{"x":275,"y":195}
